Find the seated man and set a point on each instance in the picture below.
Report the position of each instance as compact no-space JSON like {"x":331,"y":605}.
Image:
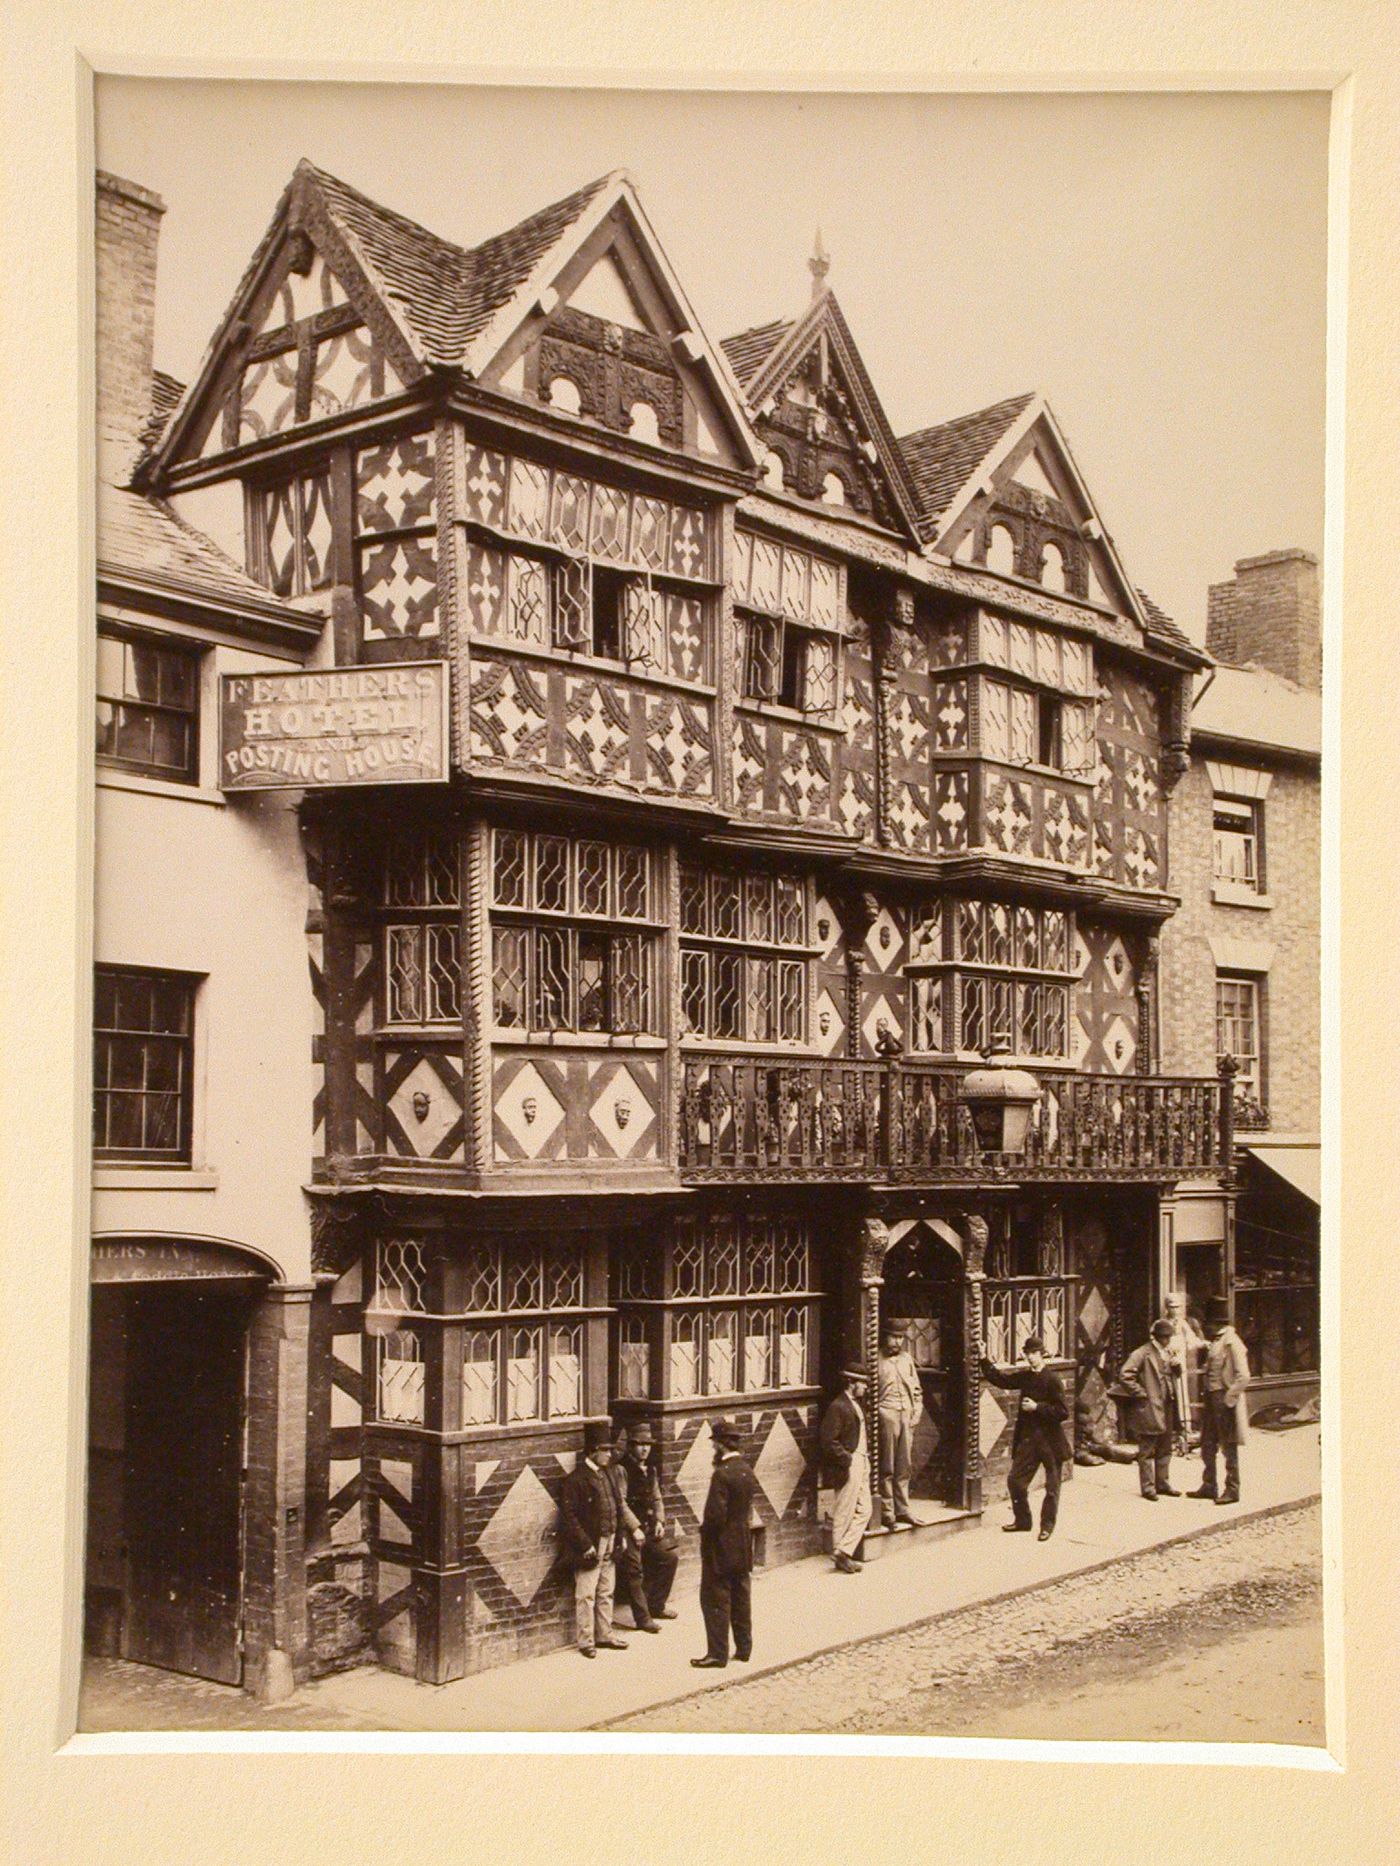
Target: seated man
{"x":631,"y":1537}
{"x":644,"y":1499}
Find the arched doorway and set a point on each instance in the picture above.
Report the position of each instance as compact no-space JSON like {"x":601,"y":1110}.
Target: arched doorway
{"x":167,"y":1406}
{"x":924,"y":1287}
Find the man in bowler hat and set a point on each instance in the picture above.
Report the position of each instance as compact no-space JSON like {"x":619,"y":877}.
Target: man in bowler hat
{"x":726,"y":1551}
{"x":1224,"y":1415}
{"x":1039,"y":1439}
{"x":1147,"y":1380}
{"x":588,"y":1527}
{"x":846,"y":1466}
{"x":646,"y":1503}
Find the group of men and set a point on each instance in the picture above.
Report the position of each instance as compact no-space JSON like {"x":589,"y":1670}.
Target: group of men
{"x":622,"y":1546}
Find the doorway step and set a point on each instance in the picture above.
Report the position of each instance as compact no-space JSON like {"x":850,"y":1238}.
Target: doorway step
{"x":935,"y":1521}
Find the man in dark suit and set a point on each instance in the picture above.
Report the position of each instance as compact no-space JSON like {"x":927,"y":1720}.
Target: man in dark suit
{"x":646,"y":1503}
{"x":846,"y":1467}
{"x":1039,"y":1440}
{"x":631,"y":1540}
{"x":726,"y":1551}
{"x":588,"y":1525}
{"x":1147,"y":1380}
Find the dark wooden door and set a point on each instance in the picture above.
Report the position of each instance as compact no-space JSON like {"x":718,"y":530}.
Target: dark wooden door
{"x":184,"y":1479}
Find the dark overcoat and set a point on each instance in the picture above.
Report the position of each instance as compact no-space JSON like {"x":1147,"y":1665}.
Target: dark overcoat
{"x":726,"y":1540}
{"x":840,"y":1435}
{"x":1043,"y":1424}
{"x":587,"y":1514}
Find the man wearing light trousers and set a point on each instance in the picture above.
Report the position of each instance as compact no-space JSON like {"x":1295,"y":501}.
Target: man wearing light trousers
{"x":846,"y":1467}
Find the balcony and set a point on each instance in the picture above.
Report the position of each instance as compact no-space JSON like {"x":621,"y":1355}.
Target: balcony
{"x":781,"y":1117}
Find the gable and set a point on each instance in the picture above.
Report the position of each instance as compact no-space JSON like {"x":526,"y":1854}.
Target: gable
{"x":306,"y":337}
{"x":607,"y":339}
{"x":824,"y":433}
{"x":1024,"y":511}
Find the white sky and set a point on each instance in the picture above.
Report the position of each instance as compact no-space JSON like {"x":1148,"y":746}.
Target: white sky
{"x":1154,"y":263}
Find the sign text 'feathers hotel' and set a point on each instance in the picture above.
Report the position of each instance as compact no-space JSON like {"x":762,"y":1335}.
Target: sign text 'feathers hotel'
{"x":334,"y":726}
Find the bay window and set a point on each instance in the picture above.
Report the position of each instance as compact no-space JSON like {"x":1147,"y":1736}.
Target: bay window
{"x":744,"y":956}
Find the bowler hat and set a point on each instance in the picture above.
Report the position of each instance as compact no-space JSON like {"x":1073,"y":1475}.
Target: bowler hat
{"x":640,"y":1432}
{"x":595,"y":1437}
{"x":855,"y":1373}
{"x":726,"y":1431}
{"x":1217,"y":1309}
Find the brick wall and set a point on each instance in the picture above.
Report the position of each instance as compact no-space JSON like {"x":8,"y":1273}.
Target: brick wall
{"x":1291,"y":926}
{"x":1269,"y":615}
{"x":127,"y":231}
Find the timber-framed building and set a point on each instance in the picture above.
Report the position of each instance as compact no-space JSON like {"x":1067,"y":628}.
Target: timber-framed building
{"x":795,"y":768}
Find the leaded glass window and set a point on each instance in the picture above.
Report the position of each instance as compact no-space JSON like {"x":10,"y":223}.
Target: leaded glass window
{"x":523,"y":1357}
{"x":1003,"y":988}
{"x":737,"y":984}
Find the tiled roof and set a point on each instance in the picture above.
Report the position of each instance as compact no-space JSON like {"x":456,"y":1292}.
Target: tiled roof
{"x":940,"y":459}
{"x":750,"y":348}
{"x":1256,"y":707}
{"x":149,"y":539}
{"x":446,"y":294}
{"x":1162,"y":623}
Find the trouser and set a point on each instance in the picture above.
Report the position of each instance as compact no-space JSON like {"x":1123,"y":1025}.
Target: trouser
{"x":1155,"y":1462}
{"x":895,"y":1463}
{"x":725,"y":1602}
{"x":1218,"y":1431}
{"x":658,"y":1572}
{"x":1026,"y":1458}
{"x":631,"y":1586}
{"x":593,"y":1603}
{"x":850,"y":1510}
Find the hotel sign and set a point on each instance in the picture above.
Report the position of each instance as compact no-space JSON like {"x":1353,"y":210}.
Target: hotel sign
{"x":162,"y":1260}
{"x":334,"y":726}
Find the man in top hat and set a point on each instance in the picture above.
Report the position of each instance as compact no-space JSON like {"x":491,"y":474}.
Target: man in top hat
{"x":846,"y":1467}
{"x":726,"y":1551}
{"x":900,"y":1407}
{"x":1224,"y":1416}
{"x":1147,"y":1380}
{"x":1039,"y":1439}
{"x":588,"y":1525}
{"x":644,"y":1499}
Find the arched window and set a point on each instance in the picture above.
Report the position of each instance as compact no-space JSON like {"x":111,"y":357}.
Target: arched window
{"x":1001,"y":551}
{"x":563,"y":393}
{"x":642,"y":422}
{"x":1052,"y":567}
{"x":773,"y":470}
{"x":833,"y":490}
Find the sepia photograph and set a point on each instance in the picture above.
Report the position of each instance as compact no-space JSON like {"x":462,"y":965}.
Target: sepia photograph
{"x":707,"y":946}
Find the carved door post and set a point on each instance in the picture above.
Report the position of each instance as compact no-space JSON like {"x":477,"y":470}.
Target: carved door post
{"x":867,"y":1260}
{"x":976,"y":1233}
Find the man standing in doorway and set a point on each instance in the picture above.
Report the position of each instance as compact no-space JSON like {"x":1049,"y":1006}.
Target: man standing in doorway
{"x":1147,"y":1380}
{"x":1039,"y":1440}
{"x":846,"y":1463}
{"x":588,"y":1522}
{"x":1224,"y":1416}
{"x":726,"y":1551}
{"x":900,"y":1407}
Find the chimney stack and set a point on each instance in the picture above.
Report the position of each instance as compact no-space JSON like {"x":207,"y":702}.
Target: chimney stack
{"x":127,"y":235}
{"x":1269,"y":615}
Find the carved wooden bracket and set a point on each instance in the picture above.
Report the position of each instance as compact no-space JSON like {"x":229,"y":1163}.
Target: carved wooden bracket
{"x":337,"y":1236}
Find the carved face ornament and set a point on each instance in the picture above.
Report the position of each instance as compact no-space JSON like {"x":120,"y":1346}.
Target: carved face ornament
{"x":623,"y":1111}
{"x":530,"y":1107}
{"x":422,"y":1101}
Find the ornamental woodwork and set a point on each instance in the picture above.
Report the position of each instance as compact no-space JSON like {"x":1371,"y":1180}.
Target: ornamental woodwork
{"x":612,"y":369}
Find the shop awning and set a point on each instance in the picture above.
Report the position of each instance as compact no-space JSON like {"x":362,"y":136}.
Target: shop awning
{"x":1299,"y":1167}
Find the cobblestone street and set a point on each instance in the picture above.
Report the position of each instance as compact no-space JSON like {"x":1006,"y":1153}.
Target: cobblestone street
{"x":1217,"y":1638}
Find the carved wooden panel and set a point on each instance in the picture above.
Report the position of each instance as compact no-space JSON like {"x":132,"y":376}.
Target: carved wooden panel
{"x":1033,"y":816}
{"x":589,"y":727}
{"x":856,"y":784}
{"x":423,"y":1100}
{"x":1129,"y":808}
{"x":1105,"y":1027}
{"x":575,"y":1106}
{"x":783,"y":771}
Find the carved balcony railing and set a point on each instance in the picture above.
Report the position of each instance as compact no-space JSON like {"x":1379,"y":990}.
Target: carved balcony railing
{"x":797,"y":1117}
{"x":780,"y":1117}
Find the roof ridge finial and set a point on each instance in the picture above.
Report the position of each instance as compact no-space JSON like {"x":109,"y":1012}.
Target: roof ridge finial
{"x":819,"y":265}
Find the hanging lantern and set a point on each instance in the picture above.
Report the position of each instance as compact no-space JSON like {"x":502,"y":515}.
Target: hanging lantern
{"x":1000,"y":1099}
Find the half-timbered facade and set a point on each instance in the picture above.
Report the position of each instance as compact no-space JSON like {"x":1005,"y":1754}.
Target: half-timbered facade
{"x":794,"y":769}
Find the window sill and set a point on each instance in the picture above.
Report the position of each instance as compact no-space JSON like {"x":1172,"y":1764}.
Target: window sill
{"x":125,"y":1177}
{"x":108,"y":778}
{"x":1236,"y":894}
{"x":788,"y":715}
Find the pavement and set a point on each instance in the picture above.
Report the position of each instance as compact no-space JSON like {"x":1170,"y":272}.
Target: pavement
{"x":805,"y":1608}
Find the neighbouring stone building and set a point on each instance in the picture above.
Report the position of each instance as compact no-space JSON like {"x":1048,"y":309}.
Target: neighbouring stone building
{"x":1241,"y":958}
{"x":793,"y":769}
